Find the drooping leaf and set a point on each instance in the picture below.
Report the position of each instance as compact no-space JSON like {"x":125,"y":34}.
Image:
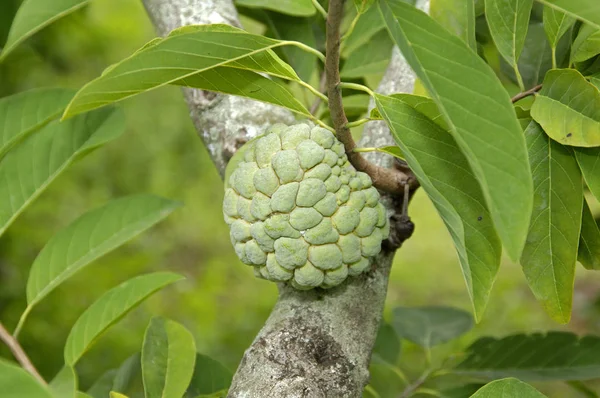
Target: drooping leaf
{"x":446,"y":177}
{"x":479,"y":113}
{"x":534,"y":357}
{"x":23,"y":113}
{"x":506,"y":388}
{"x":212,"y":57}
{"x":568,"y":108}
{"x":64,"y":384}
{"x":17,"y":383}
{"x":556,"y":24}
{"x":210,"y":377}
{"x":168,"y":357}
{"x":371,"y":58}
{"x":111,"y":307}
{"x":30,"y":167}
{"x":457,"y":16}
{"x":34,"y":15}
{"x":589,"y":163}
{"x":550,"y":254}
{"x":508,"y":21}
{"x":298,"y":8}
{"x":586,"y":44}
{"x":90,"y":237}
{"x":586,"y":10}
{"x":430,"y":326}
{"x":589,"y":242}
{"x":387,"y":345}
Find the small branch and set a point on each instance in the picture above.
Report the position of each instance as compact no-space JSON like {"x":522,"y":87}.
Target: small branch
{"x":320,"y":8}
{"x":357,"y":123}
{"x":358,"y":87}
{"x":19,"y":354}
{"x":527,"y":93}
{"x":388,"y":180}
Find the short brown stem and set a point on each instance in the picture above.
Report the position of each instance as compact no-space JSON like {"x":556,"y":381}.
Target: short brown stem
{"x":19,"y":354}
{"x":527,"y":93}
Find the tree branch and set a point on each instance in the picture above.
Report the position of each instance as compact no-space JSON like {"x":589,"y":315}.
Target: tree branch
{"x":19,"y":354}
{"x":527,"y":93}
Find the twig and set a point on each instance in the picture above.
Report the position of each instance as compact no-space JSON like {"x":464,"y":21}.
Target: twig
{"x":527,"y":93}
{"x":411,"y":388}
{"x":388,"y":180}
{"x":320,"y":8}
{"x":19,"y":354}
{"x":322,"y":88}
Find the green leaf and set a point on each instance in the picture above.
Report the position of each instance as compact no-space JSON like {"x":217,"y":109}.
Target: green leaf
{"x":534,"y":357}
{"x":114,"y":394}
{"x":457,"y":16}
{"x":568,"y":108}
{"x":298,"y":8}
{"x":507,"y":388}
{"x":28,"y":169}
{"x":111,"y":307}
{"x":17,"y":383}
{"x":445,"y":175}
{"x":589,"y":163}
{"x":460,"y":392}
{"x":551,"y":251}
{"x":424,"y":105}
{"x":367,"y":26}
{"x":64,"y":384}
{"x":586,"y":44}
{"x":523,"y":116}
{"x":22,"y":114}
{"x":589,"y":242}
{"x":586,"y":10}
{"x":556,"y":24}
{"x":385,"y":381}
{"x":210,"y":377}
{"x":91,"y":236}
{"x":211,"y":57}
{"x":101,"y":387}
{"x":80,"y":394}
{"x":168,"y":357}
{"x":478,"y":111}
{"x":387,"y":345}
{"x":33,"y":15}
{"x":430,"y":326}
{"x":390,"y":150}
{"x":363,"y":6}
{"x":355,"y":105}
{"x":128,"y":377}
{"x":371,"y":58}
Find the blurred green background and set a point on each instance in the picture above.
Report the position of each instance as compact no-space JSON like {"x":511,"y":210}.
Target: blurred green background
{"x":220,"y":302}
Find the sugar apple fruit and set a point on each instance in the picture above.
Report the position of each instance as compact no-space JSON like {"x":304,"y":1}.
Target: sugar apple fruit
{"x":299,"y":212}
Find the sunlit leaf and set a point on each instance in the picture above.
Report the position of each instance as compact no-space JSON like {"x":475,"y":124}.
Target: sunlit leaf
{"x":589,"y":241}
{"x":586,"y":44}
{"x":556,"y":24}
{"x":210,"y":377}
{"x":372,"y":57}
{"x":387,"y":345}
{"x":34,"y":15}
{"x":586,"y":10}
{"x":589,"y":163}
{"x":445,"y":175}
{"x":457,"y":16}
{"x":28,"y":169}
{"x":299,"y":8}
{"x":111,"y":307}
{"x":23,"y":113}
{"x":65,"y":383}
{"x":535,"y":357}
{"x":568,"y":108}
{"x":17,"y":383}
{"x":479,"y":113}
{"x":114,"y":394}
{"x":168,"y":357}
{"x":507,"y":388}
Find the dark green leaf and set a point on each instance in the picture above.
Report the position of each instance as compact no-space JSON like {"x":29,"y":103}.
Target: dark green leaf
{"x":535,"y":357}
{"x":556,"y":24}
{"x":586,"y":44}
{"x":371,"y":58}
{"x":457,"y":16}
{"x":80,"y":394}
{"x":523,"y":116}
{"x":478,"y":111}
{"x":582,"y":388}
{"x":111,"y":307}
{"x":209,"y":377}
{"x":385,"y":381}
{"x":507,"y":388}
{"x":168,"y":357}
{"x":363,"y":5}
{"x":101,"y":387}
{"x":589,"y":163}
{"x":424,"y":105}
{"x":17,"y":383}
{"x":128,"y":377}
{"x":589,"y":241}
{"x":568,"y":108}
{"x":367,"y":25}
{"x":114,"y":394}
{"x":299,"y":8}
{"x":387,"y":345}
{"x":446,"y":177}
{"x":586,"y":10}
{"x":64,"y":384}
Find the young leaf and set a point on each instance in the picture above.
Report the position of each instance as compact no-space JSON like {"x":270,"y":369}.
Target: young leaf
{"x":298,"y":8}
{"x":17,"y":383}
{"x":478,"y":111}
{"x":387,"y":345}
{"x":586,"y":44}
{"x":586,"y":10}
{"x":30,"y":167}
{"x":446,"y":177}
{"x":111,"y":307}
{"x":505,"y":388}
{"x":589,"y":163}
{"x":204,"y":56}
{"x":589,"y":242}
{"x":64,"y":384}
{"x":508,"y":21}
{"x":210,"y":377}
{"x":458,"y":16}
{"x":168,"y":357}
{"x":371,"y":58}
{"x":556,"y":24}
{"x":22,"y":114}
{"x":33,"y":15}
{"x":550,"y":254}
{"x":91,"y":236}
{"x":430,"y":326}
{"x":535,"y":357}
{"x":568,"y":108}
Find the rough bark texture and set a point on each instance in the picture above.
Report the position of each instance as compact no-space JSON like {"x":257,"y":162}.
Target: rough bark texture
{"x":317,"y":343}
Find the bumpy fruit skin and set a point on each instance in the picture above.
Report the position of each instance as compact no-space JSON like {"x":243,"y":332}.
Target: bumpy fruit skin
{"x":299,"y":212}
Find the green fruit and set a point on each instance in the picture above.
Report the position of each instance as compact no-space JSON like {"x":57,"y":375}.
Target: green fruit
{"x":299,"y":212}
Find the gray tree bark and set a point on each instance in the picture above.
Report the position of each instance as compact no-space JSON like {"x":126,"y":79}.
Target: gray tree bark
{"x":315,"y":343}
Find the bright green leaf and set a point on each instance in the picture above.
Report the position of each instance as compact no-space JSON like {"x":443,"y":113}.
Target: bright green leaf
{"x":556,"y":24}
{"x":168,"y":357}
{"x":430,"y":326}
{"x":589,"y":241}
{"x":34,"y":15}
{"x":568,"y":108}
{"x":387,"y":345}
{"x":64,"y":384}
{"x":550,"y":254}
{"x":507,"y":388}
{"x":17,"y":383}
{"x":535,"y":357}
{"x":30,"y":167}
{"x":111,"y":307}
{"x":91,"y":236}
{"x":478,"y":111}
{"x":586,"y":44}
{"x":114,"y":394}
{"x":446,"y":177}
{"x":22,"y":114}
{"x":210,"y":377}
{"x":589,"y":163}
{"x":298,"y":8}
{"x":586,"y":10}
{"x":457,"y":16}
{"x":371,"y":58}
